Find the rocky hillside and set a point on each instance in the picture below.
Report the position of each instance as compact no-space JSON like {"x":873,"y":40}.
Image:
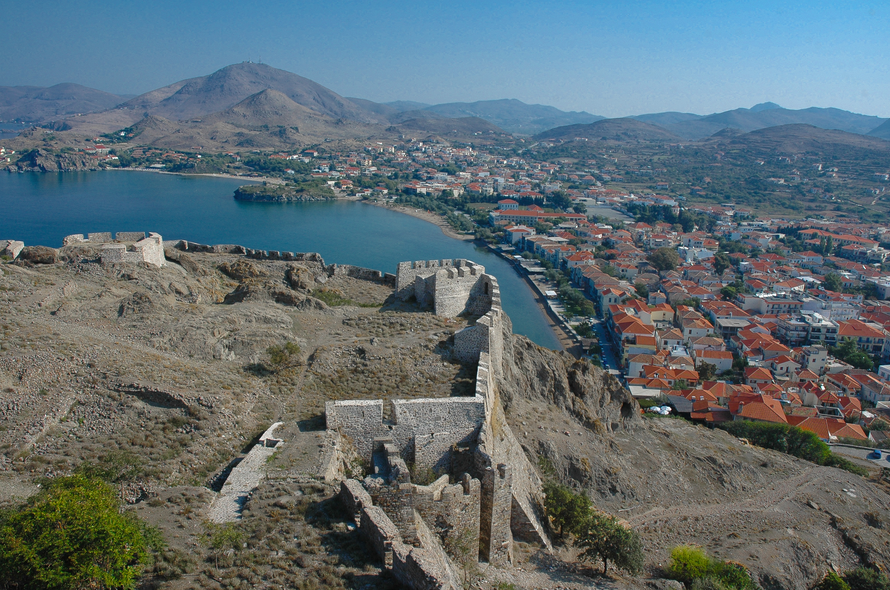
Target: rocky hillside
{"x":166,"y":375}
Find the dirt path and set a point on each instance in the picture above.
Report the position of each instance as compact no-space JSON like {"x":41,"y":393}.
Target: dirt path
{"x":764,"y":500}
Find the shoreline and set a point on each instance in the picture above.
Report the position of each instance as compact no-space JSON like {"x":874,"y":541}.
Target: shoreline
{"x":563,"y":336}
{"x":205,"y":174}
{"x":559,"y":327}
{"x":433,"y":218}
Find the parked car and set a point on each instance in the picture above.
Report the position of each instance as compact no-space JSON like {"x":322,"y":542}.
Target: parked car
{"x":876,"y":454}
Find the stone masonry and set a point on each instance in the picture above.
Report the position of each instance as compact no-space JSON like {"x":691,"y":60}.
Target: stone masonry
{"x":496,"y":495}
{"x":128,"y":247}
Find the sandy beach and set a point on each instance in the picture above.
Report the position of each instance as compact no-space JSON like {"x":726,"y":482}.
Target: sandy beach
{"x":433,"y":218}
{"x":210,"y":175}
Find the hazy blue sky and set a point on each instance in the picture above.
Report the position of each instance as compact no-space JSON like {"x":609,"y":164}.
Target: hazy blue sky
{"x":608,"y":58}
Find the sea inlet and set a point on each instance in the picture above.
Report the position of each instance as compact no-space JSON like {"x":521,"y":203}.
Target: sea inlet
{"x":43,"y":208}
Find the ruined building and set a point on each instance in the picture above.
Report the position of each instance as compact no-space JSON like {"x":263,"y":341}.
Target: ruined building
{"x":486,"y":493}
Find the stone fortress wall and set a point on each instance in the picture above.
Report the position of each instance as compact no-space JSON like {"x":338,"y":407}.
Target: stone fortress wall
{"x":337,"y":270}
{"x":494,"y":498}
{"x":135,"y":247}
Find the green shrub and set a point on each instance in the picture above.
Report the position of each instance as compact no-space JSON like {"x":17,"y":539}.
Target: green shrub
{"x":72,"y":534}
{"x":709,"y":583}
{"x":832,"y":581}
{"x":863,"y":578}
{"x":688,"y":563}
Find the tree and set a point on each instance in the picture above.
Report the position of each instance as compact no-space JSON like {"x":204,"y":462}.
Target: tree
{"x":72,"y":534}
{"x":729,"y":292}
{"x":664,"y":259}
{"x":849,"y":352}
{"x":567,"y":510}
{"x":707,"y":371}
{"x":606,"y":539}
{"x":642,"y":290}
{"x":721,"y":262}
{"x":832,"y":282}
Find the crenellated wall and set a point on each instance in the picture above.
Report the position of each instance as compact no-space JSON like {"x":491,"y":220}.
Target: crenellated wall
{"x":499,"y":494}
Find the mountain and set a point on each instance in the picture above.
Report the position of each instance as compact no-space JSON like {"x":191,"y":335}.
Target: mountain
{"x":227,"y":87}
{"x":610,"y":130}
{"x":513,"y":115}
{"x":466,"y":127}
{"x":882,"y":131}
{"x":407,"y":105}
{"x":761,"y":116}
{"x":38,"y":105}
{"x":266,"y":120}
{"x":800,"y":139}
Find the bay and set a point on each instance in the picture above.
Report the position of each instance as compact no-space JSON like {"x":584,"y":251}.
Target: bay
{"x":44,"y":208}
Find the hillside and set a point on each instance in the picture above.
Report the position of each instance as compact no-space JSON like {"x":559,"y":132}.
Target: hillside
{"x":164,"y":375}
{"x":761,"y":116}
{"x":513,"y":115}
{"x":37,"y":105}
{"x":798,"y":138}
{"x":618,"y":130}
{"x":882,"y":132}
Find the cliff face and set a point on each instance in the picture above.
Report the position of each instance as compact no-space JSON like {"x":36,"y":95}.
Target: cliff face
{"x":40,"y":160}
{"x":590,"y":395}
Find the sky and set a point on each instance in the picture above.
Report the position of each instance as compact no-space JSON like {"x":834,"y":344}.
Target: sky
{"x":605,"y":57}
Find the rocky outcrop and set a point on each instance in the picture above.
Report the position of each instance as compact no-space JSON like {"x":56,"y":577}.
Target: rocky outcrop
{"x":591,"y":395}
{"x":40,"y":160}
{"x":280,"y":193}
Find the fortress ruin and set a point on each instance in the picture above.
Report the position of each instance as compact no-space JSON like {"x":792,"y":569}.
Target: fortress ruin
{"x":131,"y":247}
{"x":486,"y":493}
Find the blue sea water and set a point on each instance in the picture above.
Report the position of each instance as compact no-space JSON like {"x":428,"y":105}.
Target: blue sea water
{"x":44,"y":208}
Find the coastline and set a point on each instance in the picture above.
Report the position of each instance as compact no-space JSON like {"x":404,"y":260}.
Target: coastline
{"x":560,"y":328}
{"x":563,"y":335}
{"x":433,"y":218}
{"x":207,"y":174}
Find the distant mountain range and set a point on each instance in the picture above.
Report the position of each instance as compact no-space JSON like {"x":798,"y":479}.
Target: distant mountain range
{"x":36,"y":104}
{"x":258,"y":106}
{"x":689,"y":126}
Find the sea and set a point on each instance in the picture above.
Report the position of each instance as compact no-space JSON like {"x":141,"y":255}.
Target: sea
{"x":43,"y":208}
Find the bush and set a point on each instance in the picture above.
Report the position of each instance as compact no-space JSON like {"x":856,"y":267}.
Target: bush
{"x":863,"y":578}
{"x":708,"y":583}
{"x":688,"y":563}
{"x":73,"y":535}
{"x":831,"y":581}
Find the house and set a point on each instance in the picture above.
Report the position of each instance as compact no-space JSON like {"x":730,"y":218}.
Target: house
{"x":758,"y":376}
{"x":719,"y":358}
{"x":759,"y":408}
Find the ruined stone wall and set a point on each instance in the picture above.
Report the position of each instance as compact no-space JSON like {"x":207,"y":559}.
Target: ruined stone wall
{"x":496,"y":537}
{"x":418,"y":568}
{"x":381,"y":533}
{"x":424,"y":430}
{"x":149,"y":250}
{"x":452,"y":512}
{"x":408,"y":271}
{"x":397,"y":501}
